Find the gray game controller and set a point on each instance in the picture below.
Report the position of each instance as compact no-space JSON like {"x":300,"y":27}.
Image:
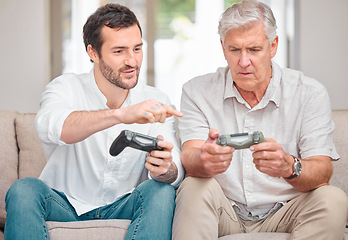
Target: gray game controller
{"x":241,"y":140}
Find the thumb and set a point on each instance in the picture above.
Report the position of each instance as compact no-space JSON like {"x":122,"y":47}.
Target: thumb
{"x":213,"y":134}
{"x":160,"y":137}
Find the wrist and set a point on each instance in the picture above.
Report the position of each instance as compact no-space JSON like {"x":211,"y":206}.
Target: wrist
{"x":117,"y":115}
{"x":290,"y":171}
{"x":296,"y":168}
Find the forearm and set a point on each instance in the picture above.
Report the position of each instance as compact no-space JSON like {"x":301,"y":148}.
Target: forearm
{"x":190,"y":158}
{"x":81,"y":124}
{"x":316,"y":172}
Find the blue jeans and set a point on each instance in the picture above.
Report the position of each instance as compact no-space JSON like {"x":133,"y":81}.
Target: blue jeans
{"x":30,"y":203}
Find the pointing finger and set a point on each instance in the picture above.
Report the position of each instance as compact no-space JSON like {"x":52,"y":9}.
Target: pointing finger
{"x":170,"y":111}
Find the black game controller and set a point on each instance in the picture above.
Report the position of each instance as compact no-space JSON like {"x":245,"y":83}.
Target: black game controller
{"x":241,"y":140}
{"x":135,"y":140}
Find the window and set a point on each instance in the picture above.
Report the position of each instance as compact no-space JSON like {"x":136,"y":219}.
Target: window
{"x":180,"y":38}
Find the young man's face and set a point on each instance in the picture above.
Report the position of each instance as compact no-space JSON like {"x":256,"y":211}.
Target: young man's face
{"x":121,"y":55}
{"x":249,"y":53}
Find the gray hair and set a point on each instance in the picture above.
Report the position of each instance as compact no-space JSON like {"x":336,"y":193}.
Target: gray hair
{"x":244,"y":14}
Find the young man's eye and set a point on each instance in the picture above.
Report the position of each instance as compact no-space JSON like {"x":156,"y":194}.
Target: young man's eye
{"x":138,"y":49}
{"x":118,"y":51}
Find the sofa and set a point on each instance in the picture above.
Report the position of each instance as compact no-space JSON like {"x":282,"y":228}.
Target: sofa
{"x":21,"y":155}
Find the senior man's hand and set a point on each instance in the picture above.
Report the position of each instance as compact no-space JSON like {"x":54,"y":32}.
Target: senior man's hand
{"x":271,"y":159}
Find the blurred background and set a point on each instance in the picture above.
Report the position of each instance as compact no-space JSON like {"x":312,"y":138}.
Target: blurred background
{"x":41,"y":39}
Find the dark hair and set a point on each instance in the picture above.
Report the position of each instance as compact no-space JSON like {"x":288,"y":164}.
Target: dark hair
{"x":110,"y":15}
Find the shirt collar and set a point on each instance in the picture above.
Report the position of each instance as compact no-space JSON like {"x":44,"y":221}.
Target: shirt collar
{"x":94,"y":89}
{"x":272,"y":93}
{"x":229,"y":90}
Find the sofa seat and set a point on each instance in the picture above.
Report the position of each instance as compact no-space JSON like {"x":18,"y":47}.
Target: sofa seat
{"x":96,"y":229}
{"x":117,"y":230}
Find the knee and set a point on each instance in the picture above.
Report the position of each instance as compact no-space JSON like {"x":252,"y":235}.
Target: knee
{"x":155,"y":198}
{"x":331,"y":196}
{"x":194,"y":187}
{"x":333,"y":201}
{"x":153,"y":191}
{"x":25,"y":188}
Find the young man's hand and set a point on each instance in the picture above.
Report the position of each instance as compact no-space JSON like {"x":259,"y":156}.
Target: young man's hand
{"x":149,"y":111}
{"x":160,"y":164}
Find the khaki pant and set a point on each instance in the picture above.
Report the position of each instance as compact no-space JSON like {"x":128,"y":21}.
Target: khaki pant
{"x":203,"y":212}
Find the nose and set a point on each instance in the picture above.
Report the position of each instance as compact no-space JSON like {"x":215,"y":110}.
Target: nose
{"x":244,"y":60}
{"x":130,"y":60}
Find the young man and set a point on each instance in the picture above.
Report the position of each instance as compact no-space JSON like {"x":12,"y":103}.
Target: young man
{"x":280,"y":185}
{"x":79,"y":118}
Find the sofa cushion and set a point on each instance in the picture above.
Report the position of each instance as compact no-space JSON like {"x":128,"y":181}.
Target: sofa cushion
{"x":85,"y":230}
{"x":259,"y":236}
{"x":340,"y":136}
{"x":31,"y":155}
{"x":8,"y":157}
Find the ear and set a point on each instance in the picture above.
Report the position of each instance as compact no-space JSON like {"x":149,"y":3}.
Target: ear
{"x":92,"y":53}
{"x":274,"y":46}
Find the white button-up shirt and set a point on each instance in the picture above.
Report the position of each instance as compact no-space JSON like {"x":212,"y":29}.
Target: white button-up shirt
{"x":85,"y":171}
{"x":295,"y":111}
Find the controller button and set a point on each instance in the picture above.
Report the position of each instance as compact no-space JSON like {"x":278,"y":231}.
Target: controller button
{"x":256,"y":137}
{"x":223,"y":141}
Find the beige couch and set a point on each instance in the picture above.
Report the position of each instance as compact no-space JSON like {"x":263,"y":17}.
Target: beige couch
{"x":21,"y":155}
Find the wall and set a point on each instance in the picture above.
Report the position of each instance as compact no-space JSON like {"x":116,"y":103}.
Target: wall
{"x":24,"y":63}
{"x":322,"y":46}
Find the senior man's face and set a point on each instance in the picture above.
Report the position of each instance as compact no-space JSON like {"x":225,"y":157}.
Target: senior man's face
{"x":248,"y":54}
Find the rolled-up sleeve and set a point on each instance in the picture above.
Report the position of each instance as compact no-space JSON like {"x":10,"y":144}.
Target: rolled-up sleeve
{"x":55,"y":107}
{"x":193,"y":125}
{"x":317,"y":126}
